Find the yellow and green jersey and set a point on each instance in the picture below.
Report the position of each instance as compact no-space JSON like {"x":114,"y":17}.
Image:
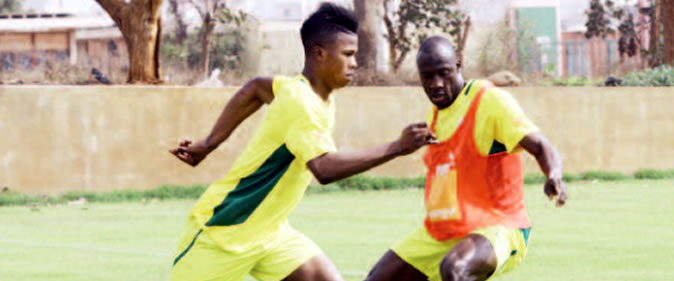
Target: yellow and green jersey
{"x":500,"y":123}
{"x":270,"y":177}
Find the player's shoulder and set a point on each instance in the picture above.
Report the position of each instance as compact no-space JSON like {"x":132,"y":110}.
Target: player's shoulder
{"x":295,"y":96}
{"x":282,"y":83}
{"x":497,"y":94}
{"x":291,"y":87}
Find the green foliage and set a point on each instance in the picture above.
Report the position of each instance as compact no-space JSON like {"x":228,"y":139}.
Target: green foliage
{"x":653,"y":174}
{"x":603,"y":176}
{"x":576,"y":82}
{"x":598,"y":19}
{"x":662,"y":75}
{"x":538,"y":178}
{"x":601,"y":17}
{"x":408,"y":24}
{"x":10,"y":6}
{"x":225,"y":53}
{"x":161,"y":193}
{"x":571,"y":177}
{"x":225,"y":15}
{"x":365,"y":182}
{"x":502,"y":42}
{"x":534,"y":178}
{"x":15,"y":198}
{"x":226,"y":41}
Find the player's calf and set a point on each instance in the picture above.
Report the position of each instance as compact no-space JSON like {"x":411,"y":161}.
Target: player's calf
{"x":318,"y":268}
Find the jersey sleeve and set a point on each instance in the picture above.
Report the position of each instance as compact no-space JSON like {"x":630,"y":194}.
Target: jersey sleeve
{"x":308,"y":135}
{"x":278,"y":83}
{"x":510,"y":124}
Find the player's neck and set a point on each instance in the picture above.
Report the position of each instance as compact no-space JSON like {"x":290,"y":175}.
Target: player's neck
{"x":320,"y":87}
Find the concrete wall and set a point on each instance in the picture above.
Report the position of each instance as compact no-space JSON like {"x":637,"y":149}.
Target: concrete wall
{"x":103,"y":138}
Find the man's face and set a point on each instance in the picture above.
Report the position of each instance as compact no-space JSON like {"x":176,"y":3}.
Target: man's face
{"x":340,"y":64}
{"x":440,"y":76}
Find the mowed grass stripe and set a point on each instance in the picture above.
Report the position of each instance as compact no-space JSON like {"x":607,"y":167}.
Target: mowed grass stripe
{"x":608,"y":231}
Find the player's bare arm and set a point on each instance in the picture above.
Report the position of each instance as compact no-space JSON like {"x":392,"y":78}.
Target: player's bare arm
{"x":551,"y":165}
{"x":330,"y":167}
{"x":245,"y":102}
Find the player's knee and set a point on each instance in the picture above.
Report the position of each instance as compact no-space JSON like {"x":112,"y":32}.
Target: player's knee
{"x":454,"y":268}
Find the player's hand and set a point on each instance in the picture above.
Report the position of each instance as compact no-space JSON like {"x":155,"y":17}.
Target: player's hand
{"x":191,"y":154}
{"x":413,"y":137}
{"x":555,"y":189}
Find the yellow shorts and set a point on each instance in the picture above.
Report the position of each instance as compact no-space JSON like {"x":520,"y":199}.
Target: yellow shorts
{"x":424,"y":253}
{"x":200,"y":258}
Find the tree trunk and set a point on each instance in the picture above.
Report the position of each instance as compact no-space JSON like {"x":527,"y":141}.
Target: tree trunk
{"x":205,"y":40}
{"x":181,"y":27}
{"x":366,"y":13}
{"x":667,"y":15}
{"x":391,"y":37}
{"x":462,"y":38}
{"x":139,"y":22}
{"x":654,"y":35}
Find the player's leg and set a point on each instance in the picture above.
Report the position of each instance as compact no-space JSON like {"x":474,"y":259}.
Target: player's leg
{"x":293,"y":256}
{"x":485,"y":253}
{"x":318,"y":268}
{"x":472,"y":259}
{"x":391,"y":267}
{"x":415,"y":257}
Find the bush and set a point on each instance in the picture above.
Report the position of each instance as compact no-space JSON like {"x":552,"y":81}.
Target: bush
{"x":603,"y":176}
{"x":571,"y":177}
{"x":365,"y":182}
{"x":662,"y":75}
{"x":576,"y":82}
{"x":653,"y":174}
{"x":538,"y":178}
{"x":534,"y":178}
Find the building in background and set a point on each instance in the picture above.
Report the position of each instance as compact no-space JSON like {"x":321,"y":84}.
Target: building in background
{"x":29,"y":40}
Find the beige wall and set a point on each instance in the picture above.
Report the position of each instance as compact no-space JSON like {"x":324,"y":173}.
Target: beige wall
{"x":104,"y":138}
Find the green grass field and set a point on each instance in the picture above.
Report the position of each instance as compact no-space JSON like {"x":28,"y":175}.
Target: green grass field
{"x":609,"y":231}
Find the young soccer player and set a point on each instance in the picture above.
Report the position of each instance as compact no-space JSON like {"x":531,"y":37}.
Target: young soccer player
{"x":240,"y":226}
{"x":476,"y":225}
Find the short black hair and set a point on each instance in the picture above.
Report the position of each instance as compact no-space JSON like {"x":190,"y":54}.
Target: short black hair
{"x":325,"y":22}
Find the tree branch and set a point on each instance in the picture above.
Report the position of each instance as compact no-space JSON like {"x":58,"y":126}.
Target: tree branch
{"x":463,"y":37}
{"x":400,"y":60}
{"x":114,"y":8}
{"x":111,"y":5}
{"x":199,"y":10}
{"x":391,"y":36}
{"x":216,"y":3}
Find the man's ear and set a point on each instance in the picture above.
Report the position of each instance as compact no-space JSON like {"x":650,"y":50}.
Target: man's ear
{"x":458,"y":64}
{"x":319,"y":53}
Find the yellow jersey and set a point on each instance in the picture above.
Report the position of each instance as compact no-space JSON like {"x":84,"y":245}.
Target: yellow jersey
{"x":269,"y":178}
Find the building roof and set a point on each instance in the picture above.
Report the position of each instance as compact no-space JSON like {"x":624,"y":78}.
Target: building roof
{"x":20,"y":23}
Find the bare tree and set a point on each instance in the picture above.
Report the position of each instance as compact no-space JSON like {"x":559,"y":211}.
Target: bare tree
{"x":139,"y":22}
{"x":668,"y":27}
{"x":181,"y":27}
{"x":213,"y":12}
{"x":654,"y":34}
{"x":407,"y":25}
{"x":661,"y":26}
